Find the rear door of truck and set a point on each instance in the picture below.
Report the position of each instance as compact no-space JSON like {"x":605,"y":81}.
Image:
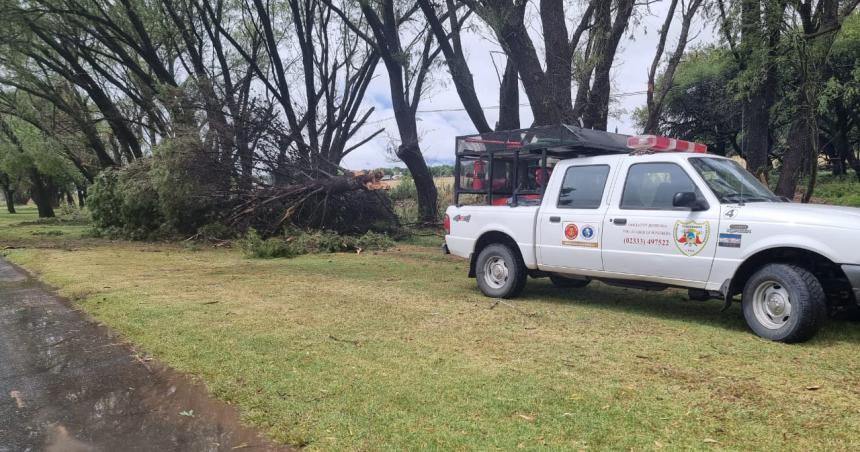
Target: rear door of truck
{"x":568,"y":229}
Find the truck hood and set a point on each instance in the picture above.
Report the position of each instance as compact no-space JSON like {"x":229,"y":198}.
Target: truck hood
{"x":792,"y":213}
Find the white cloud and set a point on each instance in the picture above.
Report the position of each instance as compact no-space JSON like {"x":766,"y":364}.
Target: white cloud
{"x":439,"y":128}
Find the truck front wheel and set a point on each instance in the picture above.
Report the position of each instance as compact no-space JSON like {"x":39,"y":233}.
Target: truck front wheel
{"x":784,"y":303}
{"x":500,"y":272}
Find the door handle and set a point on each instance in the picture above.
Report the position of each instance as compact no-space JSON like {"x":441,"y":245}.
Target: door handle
{"x":619,"y":221}
{"x":554,"y":219}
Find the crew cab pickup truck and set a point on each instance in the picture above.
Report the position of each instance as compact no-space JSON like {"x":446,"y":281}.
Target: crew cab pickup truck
{"x":655,"y":220}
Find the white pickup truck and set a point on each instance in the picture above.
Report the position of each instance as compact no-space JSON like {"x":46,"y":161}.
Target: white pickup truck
{"x":669,"y":219}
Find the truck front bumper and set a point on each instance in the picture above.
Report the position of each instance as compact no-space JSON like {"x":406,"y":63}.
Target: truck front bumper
{"x":853,"y":274}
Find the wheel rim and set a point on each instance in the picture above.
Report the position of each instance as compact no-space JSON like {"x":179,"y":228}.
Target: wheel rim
{"x":496,"y":272}
{"x":772,"y":305}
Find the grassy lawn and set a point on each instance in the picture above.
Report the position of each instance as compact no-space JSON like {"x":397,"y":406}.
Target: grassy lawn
{"x":399,"y":350}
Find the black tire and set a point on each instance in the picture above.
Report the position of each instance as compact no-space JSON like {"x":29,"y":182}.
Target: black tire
{"x":765,"y":302}
{"x":498,"y":285}
{"x":568,"y":283}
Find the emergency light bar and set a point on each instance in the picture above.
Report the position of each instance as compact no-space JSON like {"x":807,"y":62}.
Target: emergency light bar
{"x":664,"y":144}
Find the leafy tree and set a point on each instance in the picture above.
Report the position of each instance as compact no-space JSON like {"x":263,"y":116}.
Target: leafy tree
{"x":839,"y":103}
{"x":701,"y":104}
{"x":25,"y":153}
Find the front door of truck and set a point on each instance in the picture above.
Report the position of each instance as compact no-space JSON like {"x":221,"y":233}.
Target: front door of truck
{"x":570,"y":219}
{"x":644,"y":234}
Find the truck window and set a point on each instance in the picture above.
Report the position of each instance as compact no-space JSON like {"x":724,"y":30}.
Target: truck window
{"x":652,"y":186}
{"x":583,"y":186}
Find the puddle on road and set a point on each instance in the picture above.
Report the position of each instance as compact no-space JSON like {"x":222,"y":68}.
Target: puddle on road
{"x":73,"y":387}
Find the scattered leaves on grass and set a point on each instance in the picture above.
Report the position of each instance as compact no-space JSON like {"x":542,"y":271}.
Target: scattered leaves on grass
{"x":526,"y":417}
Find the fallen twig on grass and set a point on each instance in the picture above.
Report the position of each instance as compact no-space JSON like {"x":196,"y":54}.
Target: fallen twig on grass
{"x":143,"y":362}
{"x":348,"y":341}
{"x":500,"y":301}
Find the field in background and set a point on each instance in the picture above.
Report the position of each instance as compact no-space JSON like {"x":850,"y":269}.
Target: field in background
{"x":398,"y":350}
{"x":405,"y":197}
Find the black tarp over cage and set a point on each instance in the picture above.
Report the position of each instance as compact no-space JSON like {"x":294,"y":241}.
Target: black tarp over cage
{"x":512,"y":167}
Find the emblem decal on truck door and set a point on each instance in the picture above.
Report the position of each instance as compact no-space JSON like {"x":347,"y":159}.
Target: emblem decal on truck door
{"x":571,"y":231}
{"x":580,"y":235}
{"x":691,"y":237}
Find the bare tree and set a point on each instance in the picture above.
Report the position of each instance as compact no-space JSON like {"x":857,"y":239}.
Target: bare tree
{"x":549,"y":90}
{"x":657,"y":94}
{"x":604,"y":40}
{"x":450,"y":41}
{"x":336,"y":67}
{"x":407,"y":56}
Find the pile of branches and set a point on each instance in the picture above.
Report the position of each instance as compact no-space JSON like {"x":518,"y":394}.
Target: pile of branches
{"x":348,"y":204}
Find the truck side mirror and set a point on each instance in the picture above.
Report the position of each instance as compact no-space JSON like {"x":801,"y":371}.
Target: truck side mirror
{"x":689,"y":200}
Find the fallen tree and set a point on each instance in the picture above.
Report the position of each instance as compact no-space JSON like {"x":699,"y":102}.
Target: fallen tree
{"x":348,"y":204}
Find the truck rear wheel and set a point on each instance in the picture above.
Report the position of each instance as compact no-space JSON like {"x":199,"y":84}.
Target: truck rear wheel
{"x":500,"y":272}
{"x":568,"y":283}
{"x":784,"y":303}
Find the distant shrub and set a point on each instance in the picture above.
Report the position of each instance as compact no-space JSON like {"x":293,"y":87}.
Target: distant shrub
{"x":405,"y":189}
{"x":215,"y":231}
{"x":406,"y":199}
{"x":124,"y":203}
{"x":296,"y":243}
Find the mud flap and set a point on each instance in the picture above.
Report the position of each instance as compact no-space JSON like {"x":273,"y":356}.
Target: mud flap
{"x":726,"y":290}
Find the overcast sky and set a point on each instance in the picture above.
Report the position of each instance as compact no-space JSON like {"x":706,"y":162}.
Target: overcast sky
{"x":439,"y":126}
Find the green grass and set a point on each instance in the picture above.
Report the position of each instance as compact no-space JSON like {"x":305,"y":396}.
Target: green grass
{"x":398,"y":350}
{"x":844,"y":191}
{"x":25,"y":228}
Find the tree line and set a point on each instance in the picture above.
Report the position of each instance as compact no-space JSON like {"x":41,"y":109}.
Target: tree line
{"x":192,"y":107}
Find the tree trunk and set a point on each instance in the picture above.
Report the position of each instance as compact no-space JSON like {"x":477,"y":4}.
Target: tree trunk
{"x":854,"y":162}
{"x":509,"y":99}
{"x":755,"y":146}
{"x":409,"y":152}
{"x":793,"y":160}
{"x":820,"y":28}
{"x":82,"y":197}
{"x":8,"y":192}
{"x":41,"y":195}
{"x":457,"y":65}
{"x":609,"y":33}
{"x":9,"y":196}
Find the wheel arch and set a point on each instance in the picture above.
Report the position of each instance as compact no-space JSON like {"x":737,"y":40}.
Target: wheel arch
{"x":489,"y":238}
{"x":828,"y":272}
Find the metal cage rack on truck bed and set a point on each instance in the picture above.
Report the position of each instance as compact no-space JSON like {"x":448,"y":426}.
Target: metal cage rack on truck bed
{"x":512,"y":166}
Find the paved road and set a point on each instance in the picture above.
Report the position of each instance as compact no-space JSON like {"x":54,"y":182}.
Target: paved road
{"x":66,"y":384}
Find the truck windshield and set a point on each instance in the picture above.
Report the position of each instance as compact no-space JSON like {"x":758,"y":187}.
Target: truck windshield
{"x":730,"y":182}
